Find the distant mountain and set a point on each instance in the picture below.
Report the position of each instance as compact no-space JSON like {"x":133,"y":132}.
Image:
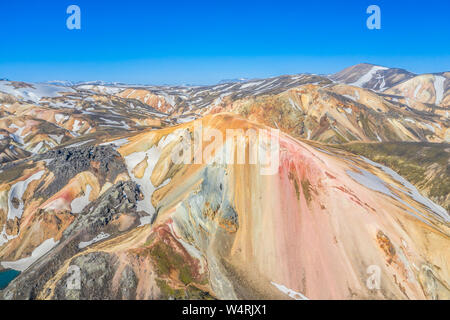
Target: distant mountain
{"x":371,"y":76}
{"x":63,"y":83}
{"x":67,"y":83}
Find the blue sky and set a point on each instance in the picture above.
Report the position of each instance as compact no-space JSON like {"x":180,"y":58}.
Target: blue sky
{"x":201,"y":42}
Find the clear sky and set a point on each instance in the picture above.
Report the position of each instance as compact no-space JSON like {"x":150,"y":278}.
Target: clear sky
{"x":202,"y":42}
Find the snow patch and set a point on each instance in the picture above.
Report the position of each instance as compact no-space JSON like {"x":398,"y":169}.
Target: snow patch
{"x":379,"y":139}
{"x":152,"y":155}
{"x":251,"y":84}
{"x":370,"y":181}
{"x":77,"y":125}
{"x":186,"y":119}
{"x":294,"y":105}
{"x":417,"y":90}
{"x":37,"y":148}
{"x":35,"y":92}
{"x":350,"y":97}
{"x":367,"y":77}
{"x":291,"y":293}
{"x":412,"y":191}
{"x":17,"y":191}
{"x":4,"y":237}
{"x":429,"y":127}
{"x":18,"y":135}
{"x":148,"y":188}
{"x":117,"y":143}
{"x":439,"y":88}
{"x":56,"y":138}
{"x":78,"y":144}
{"x":78,"y":204}
{"x":101,"y":236}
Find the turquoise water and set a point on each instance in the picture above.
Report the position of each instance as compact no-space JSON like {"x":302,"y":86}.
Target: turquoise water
{"x":6,"y":277}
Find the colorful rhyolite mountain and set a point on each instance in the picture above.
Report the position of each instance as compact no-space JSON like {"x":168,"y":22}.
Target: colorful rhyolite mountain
{"x":93,"y":206}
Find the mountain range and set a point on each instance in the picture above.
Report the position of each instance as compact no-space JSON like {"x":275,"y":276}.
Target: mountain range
{"x":88,"y":183}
